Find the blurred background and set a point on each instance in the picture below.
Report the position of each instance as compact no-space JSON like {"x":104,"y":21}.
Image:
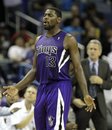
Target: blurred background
{"x":20,"y":23}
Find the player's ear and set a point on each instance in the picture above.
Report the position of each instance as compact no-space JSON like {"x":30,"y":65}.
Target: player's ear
{"x":59,"y":19}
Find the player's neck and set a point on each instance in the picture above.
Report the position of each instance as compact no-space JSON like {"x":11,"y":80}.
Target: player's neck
{"x":52,"y":32}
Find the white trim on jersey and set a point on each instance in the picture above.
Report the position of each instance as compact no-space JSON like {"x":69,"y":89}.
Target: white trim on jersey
{"x":61,"y":64}
{"x":58,"y":112}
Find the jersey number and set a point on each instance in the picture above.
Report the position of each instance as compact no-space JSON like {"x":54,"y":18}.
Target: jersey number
{"x":50,"y":61}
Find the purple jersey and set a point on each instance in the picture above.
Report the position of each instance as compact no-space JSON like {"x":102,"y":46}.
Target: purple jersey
{"x":53,"y":59}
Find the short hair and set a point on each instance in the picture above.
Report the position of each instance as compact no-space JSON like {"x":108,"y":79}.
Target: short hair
{"x":57,"y":11}
{"x":32,"y":86}
{"x":95,"y":41}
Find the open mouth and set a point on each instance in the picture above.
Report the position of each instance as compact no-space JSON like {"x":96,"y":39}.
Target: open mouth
{"x":45,"y":23}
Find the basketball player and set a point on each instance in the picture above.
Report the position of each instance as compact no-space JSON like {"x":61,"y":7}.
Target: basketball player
{"x":53,"y":51}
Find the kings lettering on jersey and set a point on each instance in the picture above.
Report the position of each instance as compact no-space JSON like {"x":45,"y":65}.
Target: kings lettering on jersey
{"x":46,"y":50}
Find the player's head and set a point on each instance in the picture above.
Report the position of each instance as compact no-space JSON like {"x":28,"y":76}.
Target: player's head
{"x":52,"y":17}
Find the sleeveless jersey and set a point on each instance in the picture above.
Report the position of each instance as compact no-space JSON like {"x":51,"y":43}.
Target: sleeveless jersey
{"x":52,"y":59}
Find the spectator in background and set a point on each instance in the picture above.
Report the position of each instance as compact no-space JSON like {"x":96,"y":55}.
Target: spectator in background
{"x":17,"y":52}
{"x":87,"y":24}
{"x":91,"y":32}
{"x":23,"y":32}
{"x":92,"y":13}
{"x":89,"y":35}
{"x":74,"y":12}
{"x":23,"y":119}
{"x":75,"y":29}
{"x":97,"y":82}
{"x":96,"y":17}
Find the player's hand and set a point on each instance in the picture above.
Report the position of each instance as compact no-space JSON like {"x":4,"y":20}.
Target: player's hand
{"x":10,"y":91}
{"x":90,"y":103}
{"x":78,"y":103}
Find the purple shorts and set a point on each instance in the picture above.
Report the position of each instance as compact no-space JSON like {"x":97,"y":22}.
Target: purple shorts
{"x":52,"y":105}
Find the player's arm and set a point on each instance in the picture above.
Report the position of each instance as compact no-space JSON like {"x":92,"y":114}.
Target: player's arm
{"x":70,"y":44}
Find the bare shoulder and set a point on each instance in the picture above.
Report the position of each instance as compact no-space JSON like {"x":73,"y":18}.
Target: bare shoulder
{"x":69,"y":41}
{"x":37,"y":38}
